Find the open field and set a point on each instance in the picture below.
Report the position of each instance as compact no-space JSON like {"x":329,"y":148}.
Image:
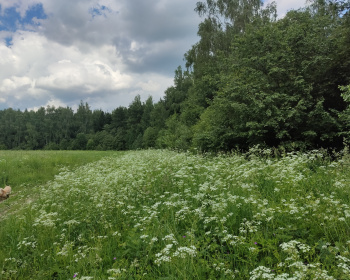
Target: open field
{"x":166,"y":215}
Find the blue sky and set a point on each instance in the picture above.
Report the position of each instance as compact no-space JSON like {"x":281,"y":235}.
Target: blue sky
{"x":12,"y":20}
{"x":104,"y":52}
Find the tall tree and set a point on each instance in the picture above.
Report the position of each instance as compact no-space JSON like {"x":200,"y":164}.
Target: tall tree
{"x":148,"y":107}
{"x":135,"y":132}
{"x":83,"y":118}
{"x":65,"y":123}
{"x":280,"y":86}
{"x":175,"y":95}
{"x":224,"y":22}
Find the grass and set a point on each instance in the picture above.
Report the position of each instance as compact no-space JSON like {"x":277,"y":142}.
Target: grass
{"x":36,"y":167}
{"x":166,"y":215}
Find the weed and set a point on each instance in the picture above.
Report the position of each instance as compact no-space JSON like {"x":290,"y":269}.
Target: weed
{"x":161,"y":214}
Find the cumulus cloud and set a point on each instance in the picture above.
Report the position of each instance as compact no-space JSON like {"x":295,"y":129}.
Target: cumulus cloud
{"x":148,"y":37}
{"x":104,"y":52}
{"x":35,"y":69}
{"x":86,"y":75}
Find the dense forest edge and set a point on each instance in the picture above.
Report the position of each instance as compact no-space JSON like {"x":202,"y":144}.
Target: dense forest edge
{"x":252,"y":79}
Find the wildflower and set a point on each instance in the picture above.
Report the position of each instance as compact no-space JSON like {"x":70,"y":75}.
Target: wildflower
{"x":154,"y":239}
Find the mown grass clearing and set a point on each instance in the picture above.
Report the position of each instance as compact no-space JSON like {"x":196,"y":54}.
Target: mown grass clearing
{"x":166,"y":215}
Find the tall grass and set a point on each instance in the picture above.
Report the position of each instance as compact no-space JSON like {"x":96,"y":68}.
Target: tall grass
{"x":24,"y":170}
{"x":167,"y":215}
{"x":35,"y":167}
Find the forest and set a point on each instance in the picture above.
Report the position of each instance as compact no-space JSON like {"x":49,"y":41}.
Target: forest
{"x":252,"y":79}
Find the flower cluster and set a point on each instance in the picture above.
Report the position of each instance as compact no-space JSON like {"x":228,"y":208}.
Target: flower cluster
{"x":151,"y":214}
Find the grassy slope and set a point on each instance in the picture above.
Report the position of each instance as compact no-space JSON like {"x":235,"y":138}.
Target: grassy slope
{"x":159,"y":214}
{"x":35,"y":167}
{"x":23,"y":170}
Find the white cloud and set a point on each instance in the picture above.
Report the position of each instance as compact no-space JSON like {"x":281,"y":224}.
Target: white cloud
{"x":84,"y":76}
{"x":283,"y":6}
{"x":149,"y":86}
{"x":15,"y":83}
{"x":38,"y":72}
{"x":104,"y":52}
{"x":135,"y":46}
{"x":35,"y":66}
{"x":52,"y":103}
{"x":100,"y":51}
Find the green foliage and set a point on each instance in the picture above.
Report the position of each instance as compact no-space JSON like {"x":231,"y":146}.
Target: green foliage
{"x":345,"y":115}
{"x":178,"y":93}
{"x":150,"y":137}
{"x":222,"y":127}
{"x":79,"y":142}
{"x":61,"y":129}
{"x":345,"y":93}
{"x":176,"y":135}
{"x":250,"y":80}
{"x":101,"y":141}
{"x":278,"y":84}
{"x":83,"y":118}
{"x":136,"y":122}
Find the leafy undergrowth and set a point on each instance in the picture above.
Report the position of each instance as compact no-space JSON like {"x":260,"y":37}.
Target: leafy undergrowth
{"x":166,"y":215}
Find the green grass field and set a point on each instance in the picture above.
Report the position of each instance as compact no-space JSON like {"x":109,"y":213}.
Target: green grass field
{"x":166,"y":215}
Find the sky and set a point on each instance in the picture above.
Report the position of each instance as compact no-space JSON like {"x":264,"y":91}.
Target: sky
{"x":103,"y":52}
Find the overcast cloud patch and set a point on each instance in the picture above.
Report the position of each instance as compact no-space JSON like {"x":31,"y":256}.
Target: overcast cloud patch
{"x":103,"y":52}
{"x":100,"y":10}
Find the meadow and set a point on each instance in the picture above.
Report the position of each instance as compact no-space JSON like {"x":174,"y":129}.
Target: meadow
{"x":158,"y":214}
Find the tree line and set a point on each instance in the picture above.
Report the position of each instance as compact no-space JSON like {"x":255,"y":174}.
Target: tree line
{"x":251,"y":79}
